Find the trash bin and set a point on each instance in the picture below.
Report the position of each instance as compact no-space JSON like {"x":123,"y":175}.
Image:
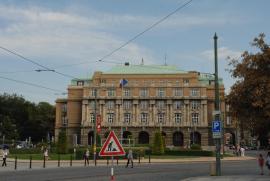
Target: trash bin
{"x":212,"y":168}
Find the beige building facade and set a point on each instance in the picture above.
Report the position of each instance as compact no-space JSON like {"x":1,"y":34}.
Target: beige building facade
{"x":153,"y":98}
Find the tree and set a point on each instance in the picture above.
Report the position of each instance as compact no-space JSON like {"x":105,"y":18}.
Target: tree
{"x":62,"y":145}
{"x":250,"y":95}
{"x":158,"y":147}
{"x":26,"y":118}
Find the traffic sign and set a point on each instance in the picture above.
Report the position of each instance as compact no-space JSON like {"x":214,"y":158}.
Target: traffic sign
{"x":216,"y":129}
{"x":112,"y":146}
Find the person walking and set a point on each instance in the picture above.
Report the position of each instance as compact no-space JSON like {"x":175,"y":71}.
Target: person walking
{"x":130,"y":158}
{"x":261,"y":163}
{"x":267,"y":162}
{"x":86,"y":156}
{"x":4,"y":155}
{"x":46,"y":154}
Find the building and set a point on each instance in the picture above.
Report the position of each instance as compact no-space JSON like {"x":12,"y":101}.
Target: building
{"x":179,"y":103}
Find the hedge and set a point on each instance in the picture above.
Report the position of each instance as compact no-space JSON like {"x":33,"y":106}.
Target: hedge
{"x":189,"y":153}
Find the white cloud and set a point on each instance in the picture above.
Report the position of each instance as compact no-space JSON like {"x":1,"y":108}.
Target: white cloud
{"x":223,"y":53}
{"x":61,"y":38}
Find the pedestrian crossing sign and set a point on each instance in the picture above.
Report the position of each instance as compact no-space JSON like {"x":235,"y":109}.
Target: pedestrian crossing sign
{"x":112,"y":146}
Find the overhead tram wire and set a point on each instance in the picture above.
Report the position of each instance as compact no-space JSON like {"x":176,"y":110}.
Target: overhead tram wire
{"x":36,"y":63}
{"x":31,"y":84}
{"x":135,"y":37}
{"x":147,"y":29}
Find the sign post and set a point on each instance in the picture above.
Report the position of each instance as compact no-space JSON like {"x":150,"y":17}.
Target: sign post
{"x":112,"y":147}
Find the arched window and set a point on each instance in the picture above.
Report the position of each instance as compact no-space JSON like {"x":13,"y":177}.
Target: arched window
{"x":143,"y":137}
{"x":91,"y":138}
{"x":126,"y":135}
{"x":178,"y":139}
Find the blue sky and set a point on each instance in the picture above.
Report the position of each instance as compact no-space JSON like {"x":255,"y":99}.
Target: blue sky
{"x":56,"y":33}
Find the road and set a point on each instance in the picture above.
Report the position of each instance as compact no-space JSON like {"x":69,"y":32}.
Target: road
{"x":157,"y":172}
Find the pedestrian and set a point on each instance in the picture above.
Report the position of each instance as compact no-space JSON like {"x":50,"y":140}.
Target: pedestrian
{"x":46,"y":154}
{"x":267,"y":162}
{"x":86,"y":156}
{"x":261,"y":163}
{"x":4,"y":155}
{"x":130,"y":158}
{"x":242,"y":151}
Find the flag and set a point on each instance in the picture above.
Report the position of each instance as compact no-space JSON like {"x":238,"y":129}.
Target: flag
{"x":123,"y":82}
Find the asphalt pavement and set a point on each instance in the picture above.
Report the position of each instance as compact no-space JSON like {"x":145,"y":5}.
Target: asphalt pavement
{"x":187,"y":169}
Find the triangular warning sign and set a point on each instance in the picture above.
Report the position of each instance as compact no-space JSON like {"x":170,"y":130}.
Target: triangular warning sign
{"x":112,"y":146}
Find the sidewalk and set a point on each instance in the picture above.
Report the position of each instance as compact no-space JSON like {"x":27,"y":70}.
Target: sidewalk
{"x":38,"y":164}
{"x":231,"y":178}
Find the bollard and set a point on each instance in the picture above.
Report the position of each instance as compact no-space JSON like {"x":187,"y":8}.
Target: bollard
{"x":149,"y":161}
{"x":117,"y":158}
{"x":30,"y":164}
{"x":107,"y":161}
{"x":58,"y":160}
{"x":44,"y":164}
{"x":96,"y":160}
{"x":139,"y":158}
{"x":15,"y":163}
{"x":70,"y":160}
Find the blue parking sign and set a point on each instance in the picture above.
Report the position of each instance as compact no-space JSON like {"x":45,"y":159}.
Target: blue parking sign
{"x":216,"y":126}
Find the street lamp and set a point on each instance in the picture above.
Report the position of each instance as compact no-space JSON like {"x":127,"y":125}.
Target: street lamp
{"x":217,"y":108}
{"x":95,"y":126}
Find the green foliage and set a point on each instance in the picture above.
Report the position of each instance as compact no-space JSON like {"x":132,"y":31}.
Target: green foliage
{"x":189,"y":153}
{"x":250,"y":95}
{"x":158,"y":144}
{"x":62,"y":145}
{"x":195,"y":147}
{"x":21,"y":119}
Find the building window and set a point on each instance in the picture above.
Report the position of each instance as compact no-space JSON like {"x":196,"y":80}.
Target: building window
{"x":229,"y":120}
{"x":186,"y":82}
{"x":161,"y":118}
{"x":111,"y":92}
{"x":64,"y":121}
{"x":110,"y":117}
{"x":127,"y":92}
{"x":178,"y":92}
{"x":127,"y":105}
{"x":92,"y":118}
{"x":144,"y":92}
{"x":195,"y":118}
{"x":178,"y":105}
{"x":80,"y":83}
{"x":144,"y":118}
{"x":92,"y":104}
{"x":160,"y":92}
{"x":64,"y":108}
{"x":195,"y":104}
{"x":177,"y":83}
{"x":177,"y":118}
{"x":110,"y":105}
{"x":144,"y":105}
{"x":93,"y":92}
{"x":127,"y":118}
{"x":160,"y":105}
{"x":194,"y":92}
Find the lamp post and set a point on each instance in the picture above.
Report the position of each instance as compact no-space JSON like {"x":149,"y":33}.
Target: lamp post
{"x":95,"y":126}
{"x":217,"y":108}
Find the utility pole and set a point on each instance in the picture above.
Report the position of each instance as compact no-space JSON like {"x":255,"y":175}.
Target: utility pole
{"x":217,"y":109}
{"x":95,"y":126}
